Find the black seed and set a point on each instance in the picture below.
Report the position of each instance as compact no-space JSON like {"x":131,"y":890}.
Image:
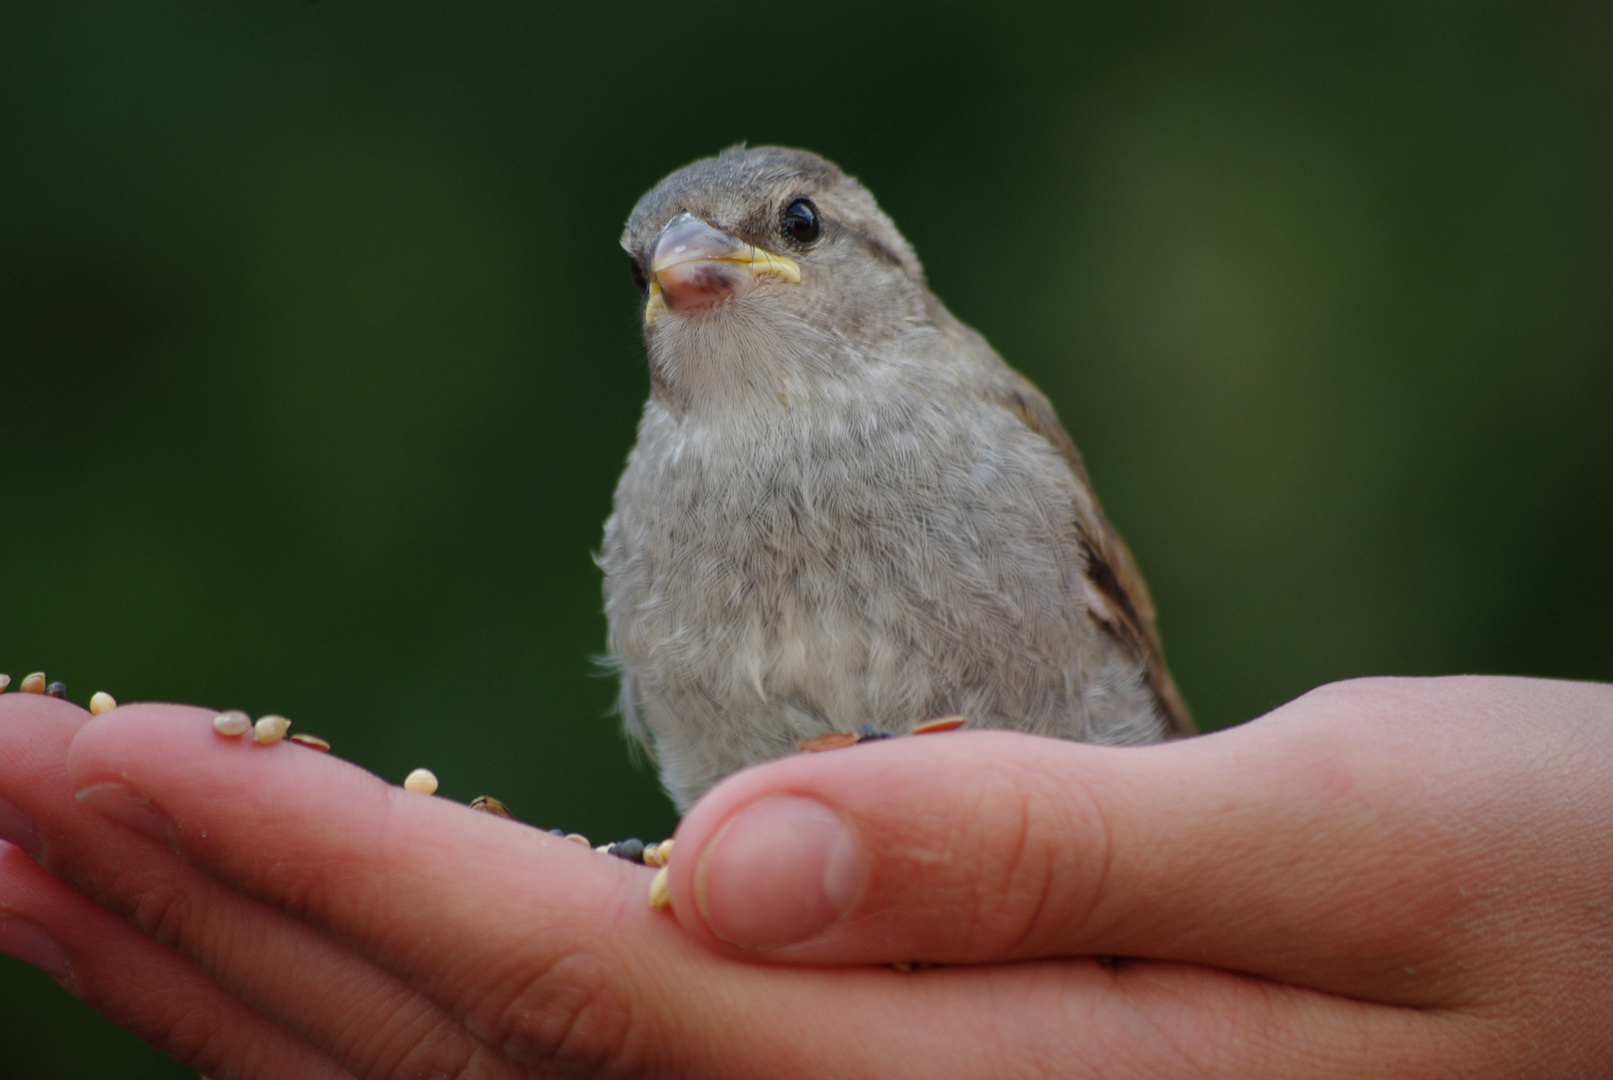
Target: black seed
{"x":632,"y":850}
{"x":558,"y":832}
{"x":870,"y":733}
{"x":57,"y":689}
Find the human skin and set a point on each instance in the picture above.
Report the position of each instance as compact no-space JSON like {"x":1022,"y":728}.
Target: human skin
{"x":1397,"y":878}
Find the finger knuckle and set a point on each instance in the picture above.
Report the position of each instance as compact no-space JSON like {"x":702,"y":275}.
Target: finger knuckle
{"x":572,"y":1015}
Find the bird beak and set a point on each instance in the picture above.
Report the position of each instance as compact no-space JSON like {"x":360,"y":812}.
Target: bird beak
{"x":695,"y":264}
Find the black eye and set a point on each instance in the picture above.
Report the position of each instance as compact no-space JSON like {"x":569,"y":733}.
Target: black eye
{"x":640,"y":282}
{"x":800,"y":221}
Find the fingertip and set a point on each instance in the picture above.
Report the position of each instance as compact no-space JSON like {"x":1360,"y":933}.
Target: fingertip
{"x":145,"y":735}
{"x":778,"y":871}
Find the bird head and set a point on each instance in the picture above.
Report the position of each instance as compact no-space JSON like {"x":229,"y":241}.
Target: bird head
{"x":763,"y":267}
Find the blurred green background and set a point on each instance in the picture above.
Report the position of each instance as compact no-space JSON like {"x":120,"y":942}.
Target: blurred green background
{"x":318,"y":359}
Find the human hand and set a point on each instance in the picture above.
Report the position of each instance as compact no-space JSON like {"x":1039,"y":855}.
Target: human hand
{"x":1386,"y":878}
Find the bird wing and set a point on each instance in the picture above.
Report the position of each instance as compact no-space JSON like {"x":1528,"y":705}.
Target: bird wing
{"x":1125,"y":610}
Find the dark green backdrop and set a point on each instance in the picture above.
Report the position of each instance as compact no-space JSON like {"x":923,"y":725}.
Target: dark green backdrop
{"x":318,"y":359}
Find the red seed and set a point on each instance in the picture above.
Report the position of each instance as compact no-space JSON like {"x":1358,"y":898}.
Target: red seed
{"x":832,"y":741}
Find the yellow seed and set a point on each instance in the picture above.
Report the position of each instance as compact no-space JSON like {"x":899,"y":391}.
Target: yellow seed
{"x":421,"y":782}
{"x":313,"y":741}
{"x":33,"y":684}
{"x":661,"y":889}
{"x":270,"y":729}
{"x":232,"y":723}
{"x":653,"y":856}
{"x":666,"y":851}
{"x":5,"y":681}
{"x":578,"y":838}
{"x":102,"y":702}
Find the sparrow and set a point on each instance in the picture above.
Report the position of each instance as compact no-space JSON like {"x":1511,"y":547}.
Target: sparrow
{"x":844,"y":511}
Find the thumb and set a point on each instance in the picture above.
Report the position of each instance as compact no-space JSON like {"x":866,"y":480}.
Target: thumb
{"x":1309,"y":846}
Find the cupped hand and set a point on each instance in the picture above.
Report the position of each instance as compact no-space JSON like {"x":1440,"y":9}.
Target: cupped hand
{"x":1386,"y":878}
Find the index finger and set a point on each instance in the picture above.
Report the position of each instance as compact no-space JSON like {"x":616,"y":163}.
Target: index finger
{"x":549,"y":955}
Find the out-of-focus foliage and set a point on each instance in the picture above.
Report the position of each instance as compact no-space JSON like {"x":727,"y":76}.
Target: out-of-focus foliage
{"x":318,"y":360}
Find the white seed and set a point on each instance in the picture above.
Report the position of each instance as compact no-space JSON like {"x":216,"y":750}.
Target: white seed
{"x":232,"y":723}
{"x":33,"y":684}
{"x":603,"y":849}
{"x":5,"y":681}
{"x":653,"y":856}
{"x":421,"y":782}
{"x":666,"y":851}
{"x":102,"y":702}
{"x":270,"y":729}
{"x":661,"y":889}
{"x":578,"y":838}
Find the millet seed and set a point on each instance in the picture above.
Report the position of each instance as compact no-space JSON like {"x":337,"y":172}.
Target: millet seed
{"x":270,"y":729}
{"x":421,"y":782}
{"x":232,"y":723}
{"x":661,"y":889}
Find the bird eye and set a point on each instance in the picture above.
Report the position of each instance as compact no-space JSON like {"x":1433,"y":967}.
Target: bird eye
{"x":640,"y":282}
{"x":800,"y":221}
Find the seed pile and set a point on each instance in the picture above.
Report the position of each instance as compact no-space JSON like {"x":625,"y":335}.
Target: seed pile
{"x":272,"y":728}
{"x":267,"y":730}
{"x":35,"y":683}
{"x":834,"y":740}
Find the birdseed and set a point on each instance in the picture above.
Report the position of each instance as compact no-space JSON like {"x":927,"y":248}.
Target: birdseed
{"x":631,"y":849}
{"x":102,"y":702}
{"x":661,"y":889}
{"x":270,"y":729}
{"x":313,"y":741}
{"x":33,"y":684}
{"x":56,"y":690}
{"x":489,"y":805}
{"x":421,"y":782}
{"x":944,"y":723}
{"x":232,"y":723}
{"x":5,"y":681}
{"x":578,"y":838}
{"x":834,"y":740}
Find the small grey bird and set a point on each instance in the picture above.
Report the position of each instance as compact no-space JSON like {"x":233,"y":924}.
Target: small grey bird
{"x":844,"y":508}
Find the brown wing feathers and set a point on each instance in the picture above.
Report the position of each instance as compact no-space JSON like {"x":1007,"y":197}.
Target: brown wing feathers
{"x":1109,"y":565}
